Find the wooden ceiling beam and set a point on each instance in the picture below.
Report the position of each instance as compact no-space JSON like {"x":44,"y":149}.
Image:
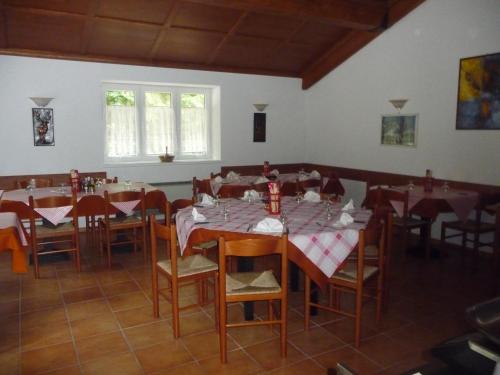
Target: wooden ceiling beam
{"x":163,"y":31}
{"x":228,"y":35}
{"x":143,"y":62}
{"x":3,"y":26}
{"x":89,"y":24}
{"x":353,"y":42}
{"x":342,"y":13}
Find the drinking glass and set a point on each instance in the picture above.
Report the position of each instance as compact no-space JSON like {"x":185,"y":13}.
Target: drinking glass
{"x":445,"y":186}
{"x":128,"y":184}
{"x":411,"y":185}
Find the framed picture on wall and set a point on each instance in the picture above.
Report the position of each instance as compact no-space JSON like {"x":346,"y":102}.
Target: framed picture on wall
{"x":43,"y":127}
{"x":399,"y":130}
{"x":478,"y":102}
{"x":259,"y":127}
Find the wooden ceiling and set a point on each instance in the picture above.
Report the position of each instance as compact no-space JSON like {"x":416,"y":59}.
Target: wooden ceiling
{"x":293,"y":38}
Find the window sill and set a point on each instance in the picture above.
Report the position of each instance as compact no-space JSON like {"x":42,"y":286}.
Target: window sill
{"x":155,"y":163}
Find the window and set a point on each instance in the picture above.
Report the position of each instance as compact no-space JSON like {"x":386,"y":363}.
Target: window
{"x":143,"y":120}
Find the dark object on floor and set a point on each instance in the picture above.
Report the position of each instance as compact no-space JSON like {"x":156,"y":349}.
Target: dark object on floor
{"x":478,"y":352}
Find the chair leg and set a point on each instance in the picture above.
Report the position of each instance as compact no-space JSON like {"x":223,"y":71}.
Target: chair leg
{"x":216,"y":301}
{"x":222,"y":330}
{"x":175,"y":307}
{"x":283,"y":327}
{"x":156,"y":302}
{"x":270,"y":313}
{"x":34,"y":253}
{"x":307,"y":301}
{"x":357,"y":324}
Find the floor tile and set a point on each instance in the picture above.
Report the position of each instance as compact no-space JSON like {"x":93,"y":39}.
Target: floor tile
{"x":123,"y":364}
{"x":128,"y":301}
{"x":149,"y":334}
{"x":315,"y":341}
{"x":114,"y":289}
{"x":101,"y":345}
{"x":48,"y":358}
{"x":238,"y":362}
{"x":349,"y":356}
{"x":163,"y":356}
{"x":87,"y":309}
{"x":44,"y":335}
{"x":383,"y":350}
{"x":80,"y":295}
{"x":206,"y":344}
{"x":95,"y":325}
{"x":308,"y":367}
{"x":135,"y":316}
{"x":267,"y":354}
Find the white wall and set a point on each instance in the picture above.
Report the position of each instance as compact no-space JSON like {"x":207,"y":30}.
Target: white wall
{"x":78,"y":117}
{"x":416,"y":59}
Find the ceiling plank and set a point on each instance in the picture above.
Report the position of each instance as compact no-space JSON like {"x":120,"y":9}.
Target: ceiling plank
{"x":3,"y":26}
{"x":353,"y":42}
{"x":143,"y":62}
{"x":163,"y":31}
{"x":342,"y":13}
{"x":87,"y":28}
{"x":230,"y":33}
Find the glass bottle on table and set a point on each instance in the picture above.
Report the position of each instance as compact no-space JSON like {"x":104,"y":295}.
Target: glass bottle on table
{"x":428,"y":181}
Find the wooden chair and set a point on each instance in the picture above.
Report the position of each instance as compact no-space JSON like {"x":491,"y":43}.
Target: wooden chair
{"x":200,"y":187}
{"x":177,"y":270}
{"x":39,"y":182}
{"x":353,"y":276}
{"x":289,"y":189}
{"x":135,"y":223}
{"x":156,"y":201}
{"x":57,"y":235}
{"x":250,"y":286}
{"x":91,"y":206}
{"x":333,"y":186}
{"x":310,"y":184}
{"x":471,"y":230}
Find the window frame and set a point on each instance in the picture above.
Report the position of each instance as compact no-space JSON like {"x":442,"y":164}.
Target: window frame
{"x":139,"y":90}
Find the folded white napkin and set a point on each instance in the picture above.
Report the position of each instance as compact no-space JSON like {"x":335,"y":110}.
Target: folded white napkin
{"x":251,"y":194}
{"x":275,"y":172}
{"x":303,"y":176}
{"x":206,"y":200}
{"x":348,"y":206}
{"x":269,"y":225}
{"x":232,"y":176}
{"x":197,"y":217}
{"x":219,"y":179}
{"x":344,"y":220}
{"x":261,"y":180}
{"x":312,"y":196}
{"x":315,"y":174}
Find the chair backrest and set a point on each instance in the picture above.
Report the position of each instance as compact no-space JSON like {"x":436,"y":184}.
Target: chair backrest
{"x":201,"y":186}
{"x":22,"y":210}
{"x":289,"y":189}
{"x":126,"y":196}
{"x":40,"y":182}
{"x":232,"y":191}
{"x":52,"y":202}
{"x":180,"y":203}
{"x":310,"y":184}
{"x":263,"y":187}
{"x":373,"y":234}
{"x":250,"y":246}
{"x":155,"y":199}
{"x":166,"y":233}
{"x":390,"y":195}
{"x":333,"y":186}
{"x":91,"y":205}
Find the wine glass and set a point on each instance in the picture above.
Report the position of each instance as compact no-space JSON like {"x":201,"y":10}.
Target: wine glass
{"x":411,"y":185}
{"x":445,"y":186}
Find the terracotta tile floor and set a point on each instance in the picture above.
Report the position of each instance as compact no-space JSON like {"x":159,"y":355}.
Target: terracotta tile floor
{"x":100,"y":322}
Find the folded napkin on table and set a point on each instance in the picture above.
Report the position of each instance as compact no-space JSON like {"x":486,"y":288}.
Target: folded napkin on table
{"x":251,"y":194}
{"x":232,"y":176}
{"x":312,"y":196}
{"x":315,"y":174}
{"x":219,"y":179}
{"x":303,"y":176}
{"x":275,"y":172}
{"x":344,"y":220}
{"x":197,"y":217}
{"x":269,"y":225}
{"x":348,"y":206}
{"x":206,"y":200}
{"x":261,"y":180}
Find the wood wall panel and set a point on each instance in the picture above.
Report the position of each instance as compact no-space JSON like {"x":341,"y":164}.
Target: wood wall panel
{"x":10,"y":182}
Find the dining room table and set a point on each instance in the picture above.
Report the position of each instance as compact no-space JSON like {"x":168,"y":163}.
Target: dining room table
{"x":317,"y":242}
{"x":13,"y":238}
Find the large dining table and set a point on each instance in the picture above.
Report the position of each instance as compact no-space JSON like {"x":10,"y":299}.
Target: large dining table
{"x":316,"y":242}
{"x":12,"y":238}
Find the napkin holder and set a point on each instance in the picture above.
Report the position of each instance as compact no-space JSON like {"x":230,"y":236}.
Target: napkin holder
{"x":274,"y":198}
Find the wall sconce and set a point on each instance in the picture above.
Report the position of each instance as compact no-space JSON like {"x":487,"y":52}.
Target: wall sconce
{"x":260,"y":107}
{"x":398,"y":103}
{"x":41,"y":102}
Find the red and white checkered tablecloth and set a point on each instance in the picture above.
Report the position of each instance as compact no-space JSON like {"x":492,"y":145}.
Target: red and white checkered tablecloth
{"x":320,"y":241}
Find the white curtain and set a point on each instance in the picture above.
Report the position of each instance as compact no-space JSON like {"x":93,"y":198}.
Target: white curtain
{"x":121,"y":131}
{"x":160,"y":130}
{"x":194,"y":132}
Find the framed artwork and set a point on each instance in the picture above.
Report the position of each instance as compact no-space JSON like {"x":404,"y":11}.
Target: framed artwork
{"x":478,"y":101}
{"x":399,"y":130}
{"x":259,"y":127}
{"x":43,"y":127}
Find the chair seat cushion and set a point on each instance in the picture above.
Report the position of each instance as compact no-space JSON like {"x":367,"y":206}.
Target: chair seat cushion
{"x":350,"y":272}
{"x":205,"y":245}
{"x":59,"y":230}
{"x":469,"y":226}
{"x":251,"y":283}
{"x":188,"y":266}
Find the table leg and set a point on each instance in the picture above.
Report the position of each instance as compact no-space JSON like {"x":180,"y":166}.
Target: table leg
{"x":245,"y":264}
